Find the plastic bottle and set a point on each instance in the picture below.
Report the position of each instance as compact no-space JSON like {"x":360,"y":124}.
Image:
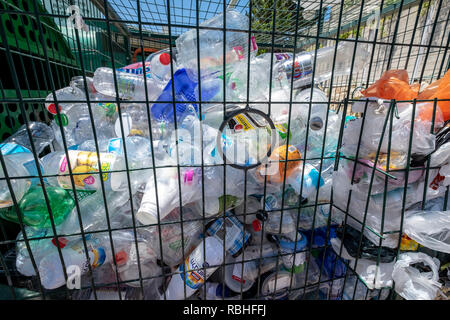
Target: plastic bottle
{"x":41,"y":135}
{"x":173,"y":239}
{"x":185,"y":96}
{"x":129,"y":86}
{"x":50,"y":268}
{"x":66,"y":94}
{"x":233,"y":275}
{"x":127,"y":263}
{"x":85,"y":162}
{"x":19,"y":164}
{"x":310,"y":180}
{"x":40,"y":248}
{"x":211,"y":45}
{"x":159,"y":63}
{"x":235,"y":237}
{"x":135,"y":122}
{"x":293,"y":254}
{"x":93,"y":213}
{"x":304,"y":63}
{"x":219,"y":291}
{"x":279,"y":290}
{"x":33,"y":208}
{"x":194,"y":275}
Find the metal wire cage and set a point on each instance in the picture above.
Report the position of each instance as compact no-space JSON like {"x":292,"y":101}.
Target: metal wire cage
{"x":40,"y":59}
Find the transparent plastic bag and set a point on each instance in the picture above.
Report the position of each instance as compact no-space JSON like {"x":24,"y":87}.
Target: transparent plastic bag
{"x":412,"y":284}
{"x":429,"y":228}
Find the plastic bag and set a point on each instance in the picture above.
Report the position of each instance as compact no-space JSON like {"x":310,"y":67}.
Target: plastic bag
{"x":412,"y":284}
{"x":423,"y":142}
{"x":429,"y":228}
{"x":393,"y":84}
{"x":374,"y":276}
{"x":439,"y":89}
{"x":368,"y":249}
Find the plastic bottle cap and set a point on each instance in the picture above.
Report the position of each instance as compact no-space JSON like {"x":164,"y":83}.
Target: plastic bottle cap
{"x":61,"y":242}
{"x":188,"y":177}
{"x":256,"y":224}
{"x":52,"y":108}
{"x":164,"y":58}
{"x":121,"y":257}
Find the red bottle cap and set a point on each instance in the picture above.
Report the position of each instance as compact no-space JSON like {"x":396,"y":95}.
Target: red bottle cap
{"x":61,"y":242}
{"x":52,"y":108}
{"x":121,"y":258}
{"x":256,"y":224}
{"x":164,"y":58}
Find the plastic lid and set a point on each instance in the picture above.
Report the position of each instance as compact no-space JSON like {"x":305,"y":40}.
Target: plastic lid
{"x":164,"y":58}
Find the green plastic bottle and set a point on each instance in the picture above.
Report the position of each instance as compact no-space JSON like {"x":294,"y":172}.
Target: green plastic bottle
{"x":33,"y":208}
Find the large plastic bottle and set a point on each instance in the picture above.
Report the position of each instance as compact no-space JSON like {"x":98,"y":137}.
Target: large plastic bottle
{"x":310,"y":180}
{"x":193,"y":267}
{"x":51,"y":270}
{"x":71,"y":93}
{"x":129,"y":86}
{"x":19,"y":164}
{"x":211,"y":45}
{"x":159,"y":63}
{"x":85,"y":162}
{"x":41,"y":135}
{"x":33,"y":208}
{"x":304,"y":63}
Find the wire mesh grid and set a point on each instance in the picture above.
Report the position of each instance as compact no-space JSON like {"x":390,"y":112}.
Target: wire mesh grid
{"x":413,"y":35}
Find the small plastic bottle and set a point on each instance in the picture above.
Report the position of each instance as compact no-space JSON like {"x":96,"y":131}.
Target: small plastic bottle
{"x":195,"y":276}
{"x":51,"y":270}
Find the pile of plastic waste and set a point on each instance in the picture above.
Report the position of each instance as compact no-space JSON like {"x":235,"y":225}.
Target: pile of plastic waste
{"x":199,"y":189}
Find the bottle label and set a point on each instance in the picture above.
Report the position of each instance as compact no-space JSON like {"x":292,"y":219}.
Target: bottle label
{"x":234,"y":234}
{"x":10,"y":148}
{"x":85,"y":162}
{"x":115,"y":146}
{"x":291,"y":260}
{"x":125,"y":86}
{"x":109,"y":109}
{"x":97,"y":254}
{"x":136,"y":68}
{"x":195,"y":275}
{"x":302,"y":67}
{"x":271,"y":203}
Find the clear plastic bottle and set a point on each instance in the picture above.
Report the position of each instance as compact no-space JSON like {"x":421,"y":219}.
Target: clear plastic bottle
{"x":159,"y":62}
{"x":129,"y":86}
{"x":235,"y":237}
{"x":41,"y":135}
{"x":211,"y":45}
{"x":310,"y":180}
{"x":85,"y":162}
{"x":17,"y":165}
{"x":304,"y":63}
{"x":194,"y":279}
{"x":93,"y":213}
{"x":51,"y":270}
{"x":173,"y":239}
{"x":66,"y":94}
